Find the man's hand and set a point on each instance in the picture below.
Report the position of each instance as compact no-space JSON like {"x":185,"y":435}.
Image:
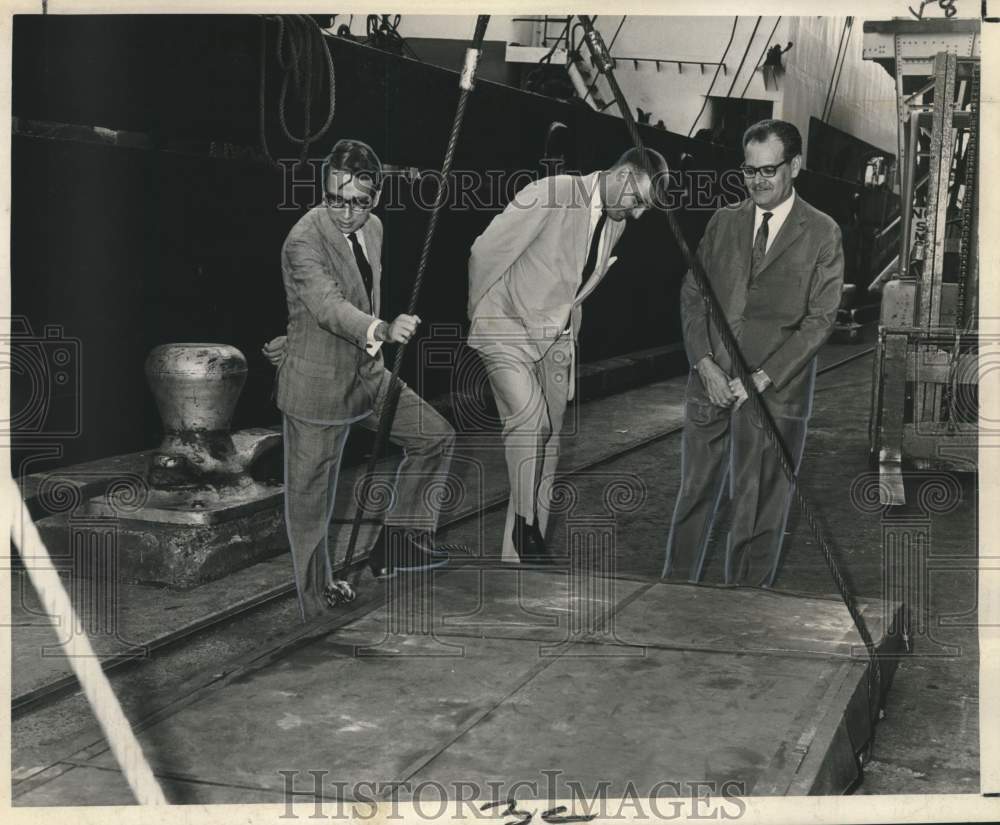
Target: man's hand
{"x":760,"y":380}
{"x":739,"y":391}
{"x":402,"y":329}
{"x":715,"y":382}
{"x":275,"y":349}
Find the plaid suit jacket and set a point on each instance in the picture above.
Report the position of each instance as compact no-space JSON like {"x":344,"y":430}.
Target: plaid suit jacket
{"x":327,"y":374}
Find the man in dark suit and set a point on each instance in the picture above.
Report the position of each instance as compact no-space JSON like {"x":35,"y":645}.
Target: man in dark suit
{"x":776,"y":264}
{"x":331,"y":376}
{"x":529,"y":273}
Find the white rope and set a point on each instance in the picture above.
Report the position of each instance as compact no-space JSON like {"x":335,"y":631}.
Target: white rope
{"x":87,"y":667}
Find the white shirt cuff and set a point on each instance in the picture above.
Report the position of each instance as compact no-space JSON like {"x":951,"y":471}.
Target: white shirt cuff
{"x":373,"y":346}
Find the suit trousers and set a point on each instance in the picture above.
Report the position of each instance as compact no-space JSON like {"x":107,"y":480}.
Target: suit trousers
{"x":313,"y":450}
{"x":720,"y":444}
{"x":531,"y":398}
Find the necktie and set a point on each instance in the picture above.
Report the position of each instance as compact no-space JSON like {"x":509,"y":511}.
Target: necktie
{"x":595,"y":242}
{"x":591,"y":263}
{"x":363,"y":266}
{"x":760,"y":244}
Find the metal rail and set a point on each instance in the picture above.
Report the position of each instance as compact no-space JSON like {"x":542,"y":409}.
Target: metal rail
{"x":671,"y":60}
{"x":33,"y":700}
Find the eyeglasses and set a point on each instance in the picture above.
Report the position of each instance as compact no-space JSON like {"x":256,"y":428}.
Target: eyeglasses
{"x":767,"y":171}
{"x":354,"y":204}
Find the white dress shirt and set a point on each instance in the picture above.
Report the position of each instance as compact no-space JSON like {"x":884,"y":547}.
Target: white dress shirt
{"x":778,"y":215}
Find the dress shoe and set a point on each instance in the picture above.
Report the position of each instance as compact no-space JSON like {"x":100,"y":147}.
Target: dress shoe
{"x":378,"y":558}
{"x":338,"y":592}
{"x":421,"y":546}
{"x":404,"y":551}
{"x":529,"y":543}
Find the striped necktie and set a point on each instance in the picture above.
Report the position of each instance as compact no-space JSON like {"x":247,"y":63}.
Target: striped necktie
{"x":760,"y":244}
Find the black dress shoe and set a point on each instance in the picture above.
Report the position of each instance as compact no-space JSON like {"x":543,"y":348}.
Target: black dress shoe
{"x":338,"y":592}
{"x":423,"y":543}
{"x":426,"y":542}
{"x":378,"y":558}
{"x":413,"y":552}
{"x":399,"y":550}
{"x":529,"y":543}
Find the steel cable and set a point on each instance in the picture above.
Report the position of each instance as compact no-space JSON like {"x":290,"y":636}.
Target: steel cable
{"x":387,"y":410}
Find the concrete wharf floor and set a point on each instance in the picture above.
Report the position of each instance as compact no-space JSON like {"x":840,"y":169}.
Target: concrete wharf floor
{"x":927,"y":744}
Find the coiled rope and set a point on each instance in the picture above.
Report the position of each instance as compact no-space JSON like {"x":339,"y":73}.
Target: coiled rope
{"x":302,"y":53}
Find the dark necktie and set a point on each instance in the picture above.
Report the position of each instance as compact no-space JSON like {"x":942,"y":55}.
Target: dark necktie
{"x":760,"y":244}
{"x":595,"y":242}
{"x":363,"y":266}
{"x":591,"y":263}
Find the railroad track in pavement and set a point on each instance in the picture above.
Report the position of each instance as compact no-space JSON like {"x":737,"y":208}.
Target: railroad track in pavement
{"x":31,"y":701}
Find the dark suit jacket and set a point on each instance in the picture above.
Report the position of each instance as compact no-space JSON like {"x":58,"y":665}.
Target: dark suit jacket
{"x":781,"y":314}
{"x":327,"y":374}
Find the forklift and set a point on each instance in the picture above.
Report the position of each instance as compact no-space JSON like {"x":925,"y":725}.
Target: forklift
{"x":924,"y":409}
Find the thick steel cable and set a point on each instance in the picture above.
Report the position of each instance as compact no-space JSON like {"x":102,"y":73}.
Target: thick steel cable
{"x":760,"y":60}
{"x":836,"y":63}
{"x":722,"y":62}
{"x":840,"y":73}
{"x":602,"y":61}
{"x":79,"y":652}
{"x":746,"y":53}
{"x":387,"y":411}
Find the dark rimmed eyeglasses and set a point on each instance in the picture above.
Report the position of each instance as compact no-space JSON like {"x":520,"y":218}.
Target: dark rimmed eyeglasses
{"x":768,"y":171}
{"x":354,"y":204}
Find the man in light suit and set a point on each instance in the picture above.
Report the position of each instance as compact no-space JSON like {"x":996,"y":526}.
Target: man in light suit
{"x":529,"y":273}
{"x":331,"y":376}
{"x":776,"y":264}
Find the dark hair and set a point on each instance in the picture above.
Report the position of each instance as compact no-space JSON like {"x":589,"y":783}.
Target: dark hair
{"x":356,"y":158}
{"x":784,"y":131}
{"x":655,"y":164}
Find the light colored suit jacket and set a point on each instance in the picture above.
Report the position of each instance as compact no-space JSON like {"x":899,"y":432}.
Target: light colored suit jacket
{"x":782,"y":313}
{"x":327,"y":375}
{"x":525,"y":269}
